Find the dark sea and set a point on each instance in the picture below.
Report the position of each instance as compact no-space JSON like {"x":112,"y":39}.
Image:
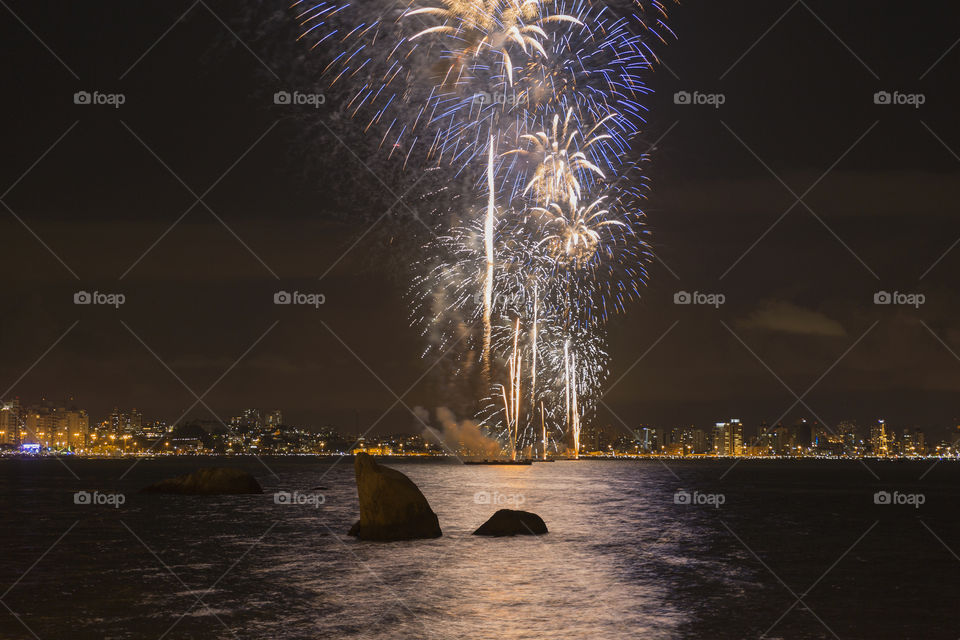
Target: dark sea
{"x":636,"y":549}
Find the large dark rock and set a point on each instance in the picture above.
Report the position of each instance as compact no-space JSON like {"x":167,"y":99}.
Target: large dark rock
{"x":391,"y":505}
{"x":507,"y":522}
{"x":208,"y":481}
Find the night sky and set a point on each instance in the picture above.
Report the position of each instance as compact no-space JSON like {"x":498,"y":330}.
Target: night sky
{"x":294,"y":198}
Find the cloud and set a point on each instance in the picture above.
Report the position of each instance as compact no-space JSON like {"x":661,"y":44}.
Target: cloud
{"x":785,"y":317}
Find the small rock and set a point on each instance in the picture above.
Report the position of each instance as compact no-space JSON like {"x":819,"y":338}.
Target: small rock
{"x":508,"y":522}
{"x":208,"y":481}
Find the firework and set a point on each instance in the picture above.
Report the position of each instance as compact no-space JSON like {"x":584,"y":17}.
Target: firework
{"x":441,"y":77}
{"x":559,"y":242}
{"x":576,"y":232}
{"x":559,"y":162}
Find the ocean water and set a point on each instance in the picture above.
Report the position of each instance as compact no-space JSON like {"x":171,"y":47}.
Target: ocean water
{"x":636,"y":549}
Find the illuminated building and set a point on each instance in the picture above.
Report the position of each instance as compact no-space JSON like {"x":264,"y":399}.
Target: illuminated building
{"x":913,"y":443}
{"x":116,"y":421}
{"x":10,"y":422}
{"x":847,"y":433}
{"x":698,"y":441}
{"x":374,"y":450}
{"x":55,"y":427}
{"x":38,"y":427}
{"x":72,"y":428}
{"x":728,"y":438}
{"x":124,"y":424}
{"x":804,"y":437}
{"x":134,"y":422}
{"x":880,"y":439}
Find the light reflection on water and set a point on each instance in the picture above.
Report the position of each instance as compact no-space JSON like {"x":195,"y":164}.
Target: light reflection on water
{"x":574,"y":582}
{"x":306,"y":578}
{"x":622,"y":560}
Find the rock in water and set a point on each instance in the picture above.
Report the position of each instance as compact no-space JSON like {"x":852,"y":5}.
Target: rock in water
{"x":208,"y":481}
{"x":507,"y":522}
{"x":391,"y":505}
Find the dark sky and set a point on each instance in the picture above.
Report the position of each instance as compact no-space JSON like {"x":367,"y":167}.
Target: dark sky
{"x":102,"y":198}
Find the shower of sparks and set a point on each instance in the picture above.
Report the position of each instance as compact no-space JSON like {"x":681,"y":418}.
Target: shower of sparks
{"x":560,"y":243}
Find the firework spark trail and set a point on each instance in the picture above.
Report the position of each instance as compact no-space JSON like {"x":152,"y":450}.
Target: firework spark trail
{"x":488,"y":248}
{"x":543,"y":428}
{"x":533,"y":348}
{"x":561,"y":86}
{"x":575,"y":413}
{"x":516,"y":379}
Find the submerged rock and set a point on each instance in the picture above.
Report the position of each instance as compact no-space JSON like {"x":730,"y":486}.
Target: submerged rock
{"x":508,"y":522}
{"x":208,"y":481}
{"x":391,"y":505}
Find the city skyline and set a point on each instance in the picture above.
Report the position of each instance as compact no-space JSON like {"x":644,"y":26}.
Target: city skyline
{"x":66,"y":427}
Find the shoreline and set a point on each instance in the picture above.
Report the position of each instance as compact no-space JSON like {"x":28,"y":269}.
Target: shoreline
{"x":461,"y":459}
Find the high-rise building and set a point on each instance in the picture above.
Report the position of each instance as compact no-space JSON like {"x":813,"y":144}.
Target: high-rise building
{"x":728,"y":438}
{"x":55,"y":426}
{"x":38,"y":426}
{"x":73,"y":427}
{"x":880,"y":439}
{"x":117,"y":422}
{"x":847,"y":435}
{"x":698,"y":441}
{"x":10,"y":422}
{"x":804,"y":431}
{"x":135,"y":422}
{"x":275,"y":418}
{"x":913,"y":443}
